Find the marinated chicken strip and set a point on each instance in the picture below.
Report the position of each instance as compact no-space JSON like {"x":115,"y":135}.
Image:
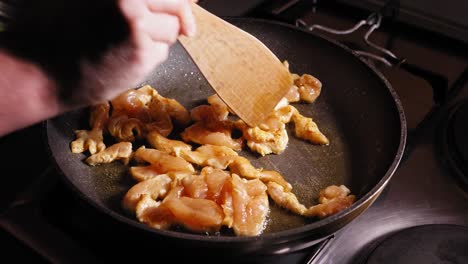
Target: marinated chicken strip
{"x":208,"y":185}
{"x":333,"y":199}
{"x":119,"y":151}
{"x":206,"y":155}
{"x":93,"y":139}
{"x":210,"y":155}
{"x":267,"y":142}
{"x":201,"y":134}
{"x":175,"y":110}
{"x":142,"y":173}
{"x":279,"y":117}
{"x":262,"y":141}
{"x":226,"y":202}
{"x":220,"y":107}
{"x":162,"y":161}
{"x":208,"y":114}
{"x":134,"y":104}
{"x":242,"y":167}
{"x":199,"y":215}
{"x":154,"y":213}
{"x":309,"y":87}
{"x":307,"y":129}
{"x":151,"y":212}
{"x":170,"y":146}
{"x":161,"y":119}
{"x":213,"y":184}
{"x":156,"y":188}
{"x":251,"y":208}
{"x":123,"y":128}
{"x":285,"y":199}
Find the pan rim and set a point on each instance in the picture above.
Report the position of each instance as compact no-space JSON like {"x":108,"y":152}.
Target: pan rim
{"x":369,"y":197}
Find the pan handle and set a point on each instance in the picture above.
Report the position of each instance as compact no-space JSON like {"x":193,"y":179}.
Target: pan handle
{"x":438,"y":82}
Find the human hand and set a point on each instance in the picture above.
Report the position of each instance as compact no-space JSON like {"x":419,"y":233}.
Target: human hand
{"x":154,"y":25}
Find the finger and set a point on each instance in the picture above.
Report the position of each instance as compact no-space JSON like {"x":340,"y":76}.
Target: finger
{"x":162,"y":27}
{"x":132,"y":9}
{"x":180,"y":8}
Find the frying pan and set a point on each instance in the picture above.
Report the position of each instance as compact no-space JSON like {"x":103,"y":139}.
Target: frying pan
{"x":358,"y":110}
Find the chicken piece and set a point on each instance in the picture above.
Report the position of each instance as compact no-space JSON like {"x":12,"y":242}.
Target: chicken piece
{"x":201,"y":134}
{"x":242,"y":167}
{"x":149,"y":91}
{"x":220,"y":106}
{"x":226,"y":202}
{"x":285,"y":199}
{"x":91,"y":140}
{"x":119,"y":151}
{"x":195,"y":186}
{"x":161,"y":161}
{"x":123,"y":128}
{"x":134,"y":104}
{"x":213,"y":184}
{"x":176,"y":111}
{"x":170,"y":146}
{"x":208,"y":185}
{"x":250,"y":204}
{"x":156,"y":188}
{"x":210,"y":155}
{"x":307,"y":129}
{"x":274,"y":176}
{"x":293,"y":94}
{"x":309,"y":87}
{"x":279,"y":117}
{"x":333,"y":199}
{"x":267,"y":142}
{"x":262,"y":141}
{"x":142,"y":173}
{"x":208,"y":114}
{"x":161,"y":119}
{"x":199,"y":215}
{"x":153,"y":213}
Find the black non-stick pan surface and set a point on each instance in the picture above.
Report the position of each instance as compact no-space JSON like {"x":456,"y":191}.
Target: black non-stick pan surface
{"x":357,"y":110}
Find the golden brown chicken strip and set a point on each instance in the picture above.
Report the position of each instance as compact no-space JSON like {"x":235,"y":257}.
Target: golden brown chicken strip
{"x":162,"y":161}
{"x":120,"y":151}
{"x":309,"y":87}
{"x":93,"y":139}
{"x":307,"y":129}
{"x":242,"y":167}
{"x":333,"y":199}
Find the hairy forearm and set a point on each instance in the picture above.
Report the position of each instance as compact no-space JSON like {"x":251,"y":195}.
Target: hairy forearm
{"x":28,"y":96}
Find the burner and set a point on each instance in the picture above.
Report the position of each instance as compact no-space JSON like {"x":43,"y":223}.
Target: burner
{"x":424,"y":244}
{"x":455,"y":142}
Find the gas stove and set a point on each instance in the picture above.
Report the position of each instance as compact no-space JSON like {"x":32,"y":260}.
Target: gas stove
{"x":420,"y":217}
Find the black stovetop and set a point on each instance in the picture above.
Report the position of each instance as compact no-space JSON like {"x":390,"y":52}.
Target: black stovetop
{"x":420,"y":217}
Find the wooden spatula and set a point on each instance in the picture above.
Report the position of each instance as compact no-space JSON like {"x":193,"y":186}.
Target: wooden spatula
{"x":244,"y":73}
